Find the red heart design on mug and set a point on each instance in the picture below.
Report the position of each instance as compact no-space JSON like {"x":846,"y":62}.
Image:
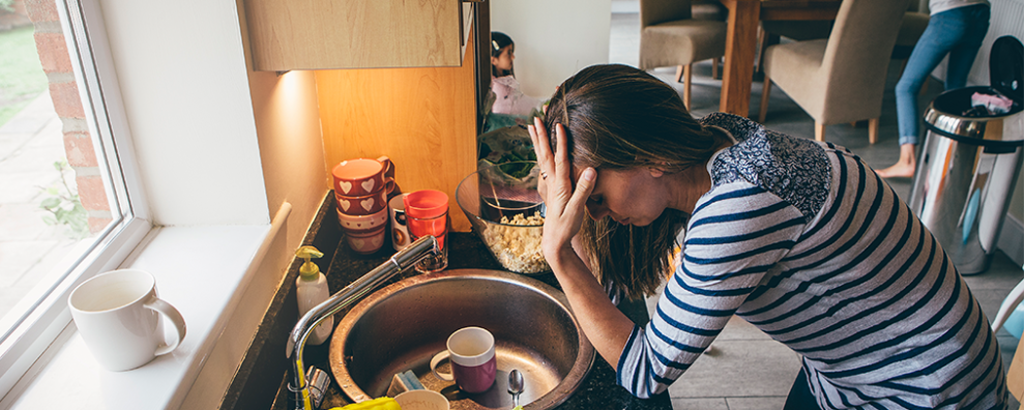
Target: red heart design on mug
{"x":344,"y":204}
{"x":367,"y":204}
{"x":368,"y":185}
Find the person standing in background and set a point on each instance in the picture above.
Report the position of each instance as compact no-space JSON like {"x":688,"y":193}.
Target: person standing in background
{"x":956,"y":28}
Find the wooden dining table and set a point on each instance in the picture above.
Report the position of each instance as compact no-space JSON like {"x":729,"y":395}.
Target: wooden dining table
{"x":741,"y":41}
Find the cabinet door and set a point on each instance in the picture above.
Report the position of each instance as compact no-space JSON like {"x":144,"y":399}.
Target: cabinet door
{"x":424,"y":119}
{"x":326,"y":34}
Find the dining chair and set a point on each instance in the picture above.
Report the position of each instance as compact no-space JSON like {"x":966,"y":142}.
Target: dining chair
{"x":670,"y":36}
{"x":915,"y":20}
{"x":710,"y":10}
{"x":914,"y":24}
{"x":839,"y":79}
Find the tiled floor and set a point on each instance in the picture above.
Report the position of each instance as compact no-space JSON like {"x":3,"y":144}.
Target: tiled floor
{"x":748,"y":370}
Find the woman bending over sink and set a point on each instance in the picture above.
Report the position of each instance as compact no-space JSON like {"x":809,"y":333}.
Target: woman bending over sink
{"x":799,"y":238}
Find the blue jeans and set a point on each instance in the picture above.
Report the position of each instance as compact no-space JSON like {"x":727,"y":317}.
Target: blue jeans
{"x":957,"y":32}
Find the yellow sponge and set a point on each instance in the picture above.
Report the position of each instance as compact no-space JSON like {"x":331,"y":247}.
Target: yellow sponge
{"x":383,"y":403}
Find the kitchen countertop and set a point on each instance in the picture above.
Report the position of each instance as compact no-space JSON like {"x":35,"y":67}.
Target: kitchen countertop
{"x":467,"y":251}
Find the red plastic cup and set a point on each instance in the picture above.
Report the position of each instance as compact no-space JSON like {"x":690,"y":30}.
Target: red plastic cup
{"x":426,"y":203}
{"x":426,"y":213}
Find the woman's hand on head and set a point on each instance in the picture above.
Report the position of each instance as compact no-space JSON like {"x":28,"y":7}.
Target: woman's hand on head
{"x":566,"y":207}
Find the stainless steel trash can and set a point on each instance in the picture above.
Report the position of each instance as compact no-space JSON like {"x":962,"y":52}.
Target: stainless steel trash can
{"x":969,"y":165}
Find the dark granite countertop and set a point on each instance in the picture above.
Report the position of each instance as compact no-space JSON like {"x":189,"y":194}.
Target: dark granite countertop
{"x":598,"y":390}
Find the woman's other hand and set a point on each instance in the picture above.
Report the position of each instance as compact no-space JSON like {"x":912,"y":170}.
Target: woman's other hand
{"x":565,"y":205}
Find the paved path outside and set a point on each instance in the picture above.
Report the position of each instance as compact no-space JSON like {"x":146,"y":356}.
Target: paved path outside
{"x":29,"y":145}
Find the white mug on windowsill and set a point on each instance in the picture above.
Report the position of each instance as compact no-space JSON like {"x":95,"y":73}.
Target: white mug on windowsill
{"x":118,"y":315}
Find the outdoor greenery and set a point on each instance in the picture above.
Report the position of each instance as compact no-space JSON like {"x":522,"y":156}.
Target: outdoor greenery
{"x":64,"y":206}
{"x":21,"y":75}
{"x":7,"y":5}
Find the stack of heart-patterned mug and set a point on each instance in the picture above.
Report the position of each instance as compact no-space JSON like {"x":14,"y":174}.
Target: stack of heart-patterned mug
{"x":361,"y":188}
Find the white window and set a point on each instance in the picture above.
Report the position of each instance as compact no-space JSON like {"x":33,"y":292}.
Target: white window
{"x":41,"y":263}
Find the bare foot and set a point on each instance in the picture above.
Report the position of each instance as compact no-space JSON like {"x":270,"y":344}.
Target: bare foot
{"x":899,"y":170}
{"x":904,"y":167}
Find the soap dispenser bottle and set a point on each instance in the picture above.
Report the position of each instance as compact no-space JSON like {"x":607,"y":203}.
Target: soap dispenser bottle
{"x":311,"y":290}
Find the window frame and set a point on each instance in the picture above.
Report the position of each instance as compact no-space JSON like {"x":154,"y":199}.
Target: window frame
{"x":86,"y":39}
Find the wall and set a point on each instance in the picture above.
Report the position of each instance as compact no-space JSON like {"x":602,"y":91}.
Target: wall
{"x":182,"y":75}
{"x":577,"y":32}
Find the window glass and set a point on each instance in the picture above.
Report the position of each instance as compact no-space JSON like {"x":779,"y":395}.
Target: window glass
{"x":64,"y":205}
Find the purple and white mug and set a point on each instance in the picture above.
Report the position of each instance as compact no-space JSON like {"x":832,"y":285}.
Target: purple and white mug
{"x":471,"y":353}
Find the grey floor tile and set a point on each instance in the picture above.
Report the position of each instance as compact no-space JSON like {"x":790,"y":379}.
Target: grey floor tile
{"x":682,"y":403}
{"x":989,"y":299}
{"x":1003,"y":274}
{"x":750,"y":368}
{"x":739,"y":330}
{"x":624,"y":44}
{"x":756,"y":403}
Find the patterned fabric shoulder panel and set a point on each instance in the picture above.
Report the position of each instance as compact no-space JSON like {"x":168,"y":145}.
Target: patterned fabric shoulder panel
{"x":795,"y":169}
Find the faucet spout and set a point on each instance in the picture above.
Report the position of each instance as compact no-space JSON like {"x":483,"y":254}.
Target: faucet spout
{"x":424,"y":247}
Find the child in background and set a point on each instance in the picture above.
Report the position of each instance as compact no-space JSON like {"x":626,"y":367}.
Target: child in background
{"x":509,"y":98}
{"x":956,"y":28}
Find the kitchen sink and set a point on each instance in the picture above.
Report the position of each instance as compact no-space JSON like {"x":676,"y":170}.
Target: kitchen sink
{"x":402,"y":326}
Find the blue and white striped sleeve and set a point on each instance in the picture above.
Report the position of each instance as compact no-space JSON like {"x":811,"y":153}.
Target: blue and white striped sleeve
{"x":735,"y":236}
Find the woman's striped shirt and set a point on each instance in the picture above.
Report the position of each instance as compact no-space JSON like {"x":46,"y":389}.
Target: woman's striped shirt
{"x":805,"y":242}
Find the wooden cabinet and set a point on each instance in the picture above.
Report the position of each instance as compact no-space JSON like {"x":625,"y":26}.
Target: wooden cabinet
{"x":424,"y":119}
{"x":332,"y":34}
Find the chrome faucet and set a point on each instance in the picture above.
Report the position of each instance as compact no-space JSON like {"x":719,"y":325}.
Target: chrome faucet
{"x":424,"y":247}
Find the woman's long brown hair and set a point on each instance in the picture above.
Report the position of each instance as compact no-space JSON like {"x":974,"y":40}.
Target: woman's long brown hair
{"x":618,"y":117}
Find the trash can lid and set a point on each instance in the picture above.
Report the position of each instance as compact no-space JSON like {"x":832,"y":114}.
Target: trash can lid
{"x":1006,"y":67}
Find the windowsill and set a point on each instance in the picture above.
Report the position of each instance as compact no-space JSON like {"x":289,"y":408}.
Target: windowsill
{"x":199,"y":270}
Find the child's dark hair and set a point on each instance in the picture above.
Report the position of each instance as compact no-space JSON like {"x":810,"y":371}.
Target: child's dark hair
{"x":499,"y":41}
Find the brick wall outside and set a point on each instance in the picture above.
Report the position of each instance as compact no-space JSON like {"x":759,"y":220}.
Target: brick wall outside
{"x":53,"y":54}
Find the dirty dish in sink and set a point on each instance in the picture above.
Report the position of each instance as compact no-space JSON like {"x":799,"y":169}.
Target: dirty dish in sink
{"x":402,"y":326}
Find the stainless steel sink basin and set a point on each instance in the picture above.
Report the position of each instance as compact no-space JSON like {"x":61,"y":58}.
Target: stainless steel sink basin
{"x":401,"y":326}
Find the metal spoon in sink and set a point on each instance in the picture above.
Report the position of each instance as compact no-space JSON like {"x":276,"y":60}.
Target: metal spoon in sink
{"x":515,"y":386}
